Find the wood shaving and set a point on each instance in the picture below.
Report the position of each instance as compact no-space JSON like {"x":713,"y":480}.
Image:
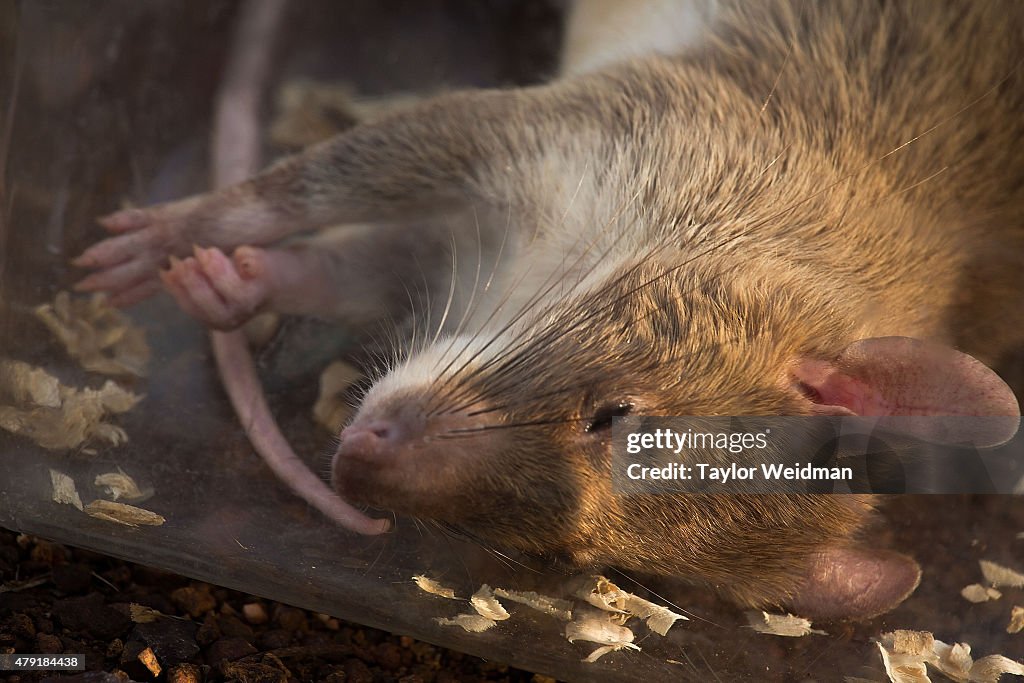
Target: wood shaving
{"x":148,"y":659}
{"x":260,"y":329}
{"x":992,"y":667}
{"x":474,"y":623}
{"x":140,"y":614}
{"x":781,"y":625}
{"x":907,"y":654}
{"x":256,"y":613}
{"x":619,"y":617}
{"x":657,"y":617}
{"x":597,"y":629}
{"x":487,"y":605}
{"x":120,"y":485}
{"x":605,"y":595}
{"x":1000,"y":576}
{"x":978,"y":593}
{"x":608,"y":597}
{"x":903,"y":668}
{"x":128,"y":515}
{"x":601,"y":629}
{"x":954,"y":660}
{"x":308,"y":112}
{"x":602,"y":651}
{"x":906,"y":642}
{"x":68,"y":421}
{"x":428,"y":585}
{"x":24,"y":384}
{"x":16,"y":586}
{"x":1016,"y":624}
{"x":332,"y":409}
{"x":100,"y":337}
{"x":560,"y":609}
{"x":64,"y":490}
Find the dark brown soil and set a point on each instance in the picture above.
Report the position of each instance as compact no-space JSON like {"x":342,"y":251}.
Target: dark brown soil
{"x":55,"y":599}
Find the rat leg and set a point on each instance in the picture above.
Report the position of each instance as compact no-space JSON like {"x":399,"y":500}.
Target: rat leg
{"x":357,"y":274}
{"x":488,"y":147}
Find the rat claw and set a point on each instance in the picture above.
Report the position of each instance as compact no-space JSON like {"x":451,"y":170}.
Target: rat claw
{"x":123,"y":221}
{"x":91,"y":283}
{"x":83,"y":260}
{"x":84,"y":285}
{"x":247,"y":261}
{"x":200,"y":256}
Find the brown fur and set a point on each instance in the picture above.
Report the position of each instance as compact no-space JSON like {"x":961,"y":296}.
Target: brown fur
{"x":815,"y":174}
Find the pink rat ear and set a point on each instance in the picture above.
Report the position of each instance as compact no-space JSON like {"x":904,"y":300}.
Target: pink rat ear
{"x":900,"y":376}
{"x":852,"y":582}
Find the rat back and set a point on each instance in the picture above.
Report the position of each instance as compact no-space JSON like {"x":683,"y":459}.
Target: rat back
{"x":875,"y":144}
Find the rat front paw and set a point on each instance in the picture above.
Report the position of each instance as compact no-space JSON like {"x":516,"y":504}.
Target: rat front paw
{"x":126,"y":264}
{"x":223,"y":293}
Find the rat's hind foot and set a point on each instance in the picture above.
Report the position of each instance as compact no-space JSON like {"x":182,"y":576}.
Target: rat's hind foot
{"x":223,"y":293}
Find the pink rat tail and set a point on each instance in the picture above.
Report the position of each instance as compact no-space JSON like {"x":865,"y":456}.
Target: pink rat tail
{"x":236,"y":143}
{"x":238,"y":375}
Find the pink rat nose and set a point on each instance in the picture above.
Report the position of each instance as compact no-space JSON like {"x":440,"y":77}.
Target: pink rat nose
{"x":375,"y":441}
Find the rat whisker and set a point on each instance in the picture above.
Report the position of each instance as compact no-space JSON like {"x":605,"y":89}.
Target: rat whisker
{"x":513,"y":425}
{"x":483,"y":411}
{"x":682,"y":610}
{"x":710,"y":669}
{"x":415,"y":346}
{"x":460,"y":533}
{"x":526,"y":341}
{"x":451,"y":291}
{"x":476,"y":284}
{"x":516,"y":356}
{"x":544,"y":289}
{"x":778,"y":76}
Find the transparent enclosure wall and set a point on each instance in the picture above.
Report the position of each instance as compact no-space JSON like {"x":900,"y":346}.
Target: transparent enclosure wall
{"x":109,"y":103}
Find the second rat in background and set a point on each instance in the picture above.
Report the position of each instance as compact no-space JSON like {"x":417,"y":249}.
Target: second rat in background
{"x":725,"y":209}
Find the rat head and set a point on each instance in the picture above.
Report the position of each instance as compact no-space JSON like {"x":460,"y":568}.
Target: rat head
{"x":507,"y":432}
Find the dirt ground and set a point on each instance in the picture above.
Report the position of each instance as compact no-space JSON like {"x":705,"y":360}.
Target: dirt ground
{"x":55,"y":599}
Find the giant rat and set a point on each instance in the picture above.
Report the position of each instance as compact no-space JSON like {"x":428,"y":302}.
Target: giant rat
{"x":719,"y":209}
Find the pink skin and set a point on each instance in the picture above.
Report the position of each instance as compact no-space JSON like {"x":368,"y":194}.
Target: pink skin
{"x":126,"y":264}
{"x":844,"y":581}
{"x":153,"y":246}
{"x":220,"y":292}
{"x":223,"y":293}
{"x":904,"y":377}
{"x":247,"y":397}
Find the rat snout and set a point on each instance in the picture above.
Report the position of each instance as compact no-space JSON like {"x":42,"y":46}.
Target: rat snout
{"x":374,"y":453}
{"x":378,"y":440}
{"x":401,"y":456}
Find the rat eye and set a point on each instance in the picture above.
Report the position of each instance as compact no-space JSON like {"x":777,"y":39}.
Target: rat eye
{"x":602,"y":418}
